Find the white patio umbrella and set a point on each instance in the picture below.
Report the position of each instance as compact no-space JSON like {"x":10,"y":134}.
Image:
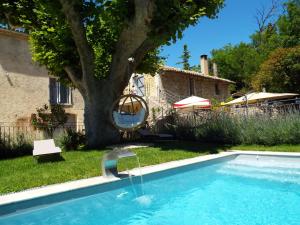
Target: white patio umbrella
{"x":192,"y":102}
{"x":260,"y":96}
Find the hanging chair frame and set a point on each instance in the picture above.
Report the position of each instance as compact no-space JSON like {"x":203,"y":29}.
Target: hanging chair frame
{"x":117,"y":104}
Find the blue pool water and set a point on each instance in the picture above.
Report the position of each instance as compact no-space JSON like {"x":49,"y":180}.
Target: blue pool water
{"x":246,"y":190}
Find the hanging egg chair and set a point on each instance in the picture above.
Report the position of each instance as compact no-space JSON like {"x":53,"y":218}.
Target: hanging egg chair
{"x":129,"y":112}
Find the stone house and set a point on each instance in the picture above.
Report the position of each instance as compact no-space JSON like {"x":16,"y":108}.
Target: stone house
{"x":25,"y":86}
{"x":173,"y":84}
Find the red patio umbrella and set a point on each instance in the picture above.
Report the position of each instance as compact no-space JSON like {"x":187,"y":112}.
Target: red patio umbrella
{"x":192,"y":102}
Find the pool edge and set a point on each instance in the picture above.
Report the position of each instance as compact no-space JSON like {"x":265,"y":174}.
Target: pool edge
{"x":53,"y":189}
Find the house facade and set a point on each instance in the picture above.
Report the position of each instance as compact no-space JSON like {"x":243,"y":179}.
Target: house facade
{"x":25,"y":86}
{"x":171,"y":84}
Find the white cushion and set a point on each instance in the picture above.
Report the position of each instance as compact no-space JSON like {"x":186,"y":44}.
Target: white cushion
{"x":45,"y":147}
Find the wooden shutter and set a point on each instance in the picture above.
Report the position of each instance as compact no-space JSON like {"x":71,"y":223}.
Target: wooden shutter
{"x":53,"y":91}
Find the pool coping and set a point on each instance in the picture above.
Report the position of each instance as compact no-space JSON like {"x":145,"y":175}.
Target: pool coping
{"x":88,"y":182}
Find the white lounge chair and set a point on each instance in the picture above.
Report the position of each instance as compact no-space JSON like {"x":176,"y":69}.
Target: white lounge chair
{"x":45,"y":147}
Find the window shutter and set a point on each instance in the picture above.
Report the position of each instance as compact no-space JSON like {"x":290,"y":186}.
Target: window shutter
{"x":139,"y":85}
{"x":52,"y":91}
{"x":64,"y":94}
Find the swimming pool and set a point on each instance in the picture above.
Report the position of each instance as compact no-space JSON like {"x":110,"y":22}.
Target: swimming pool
{"x":246,"y":189}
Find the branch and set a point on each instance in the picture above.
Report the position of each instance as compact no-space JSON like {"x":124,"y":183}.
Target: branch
{"x":85,"y":51}
{"x":263,"y":15}
{"x":132,"y":37}
{"x":74,"y":78}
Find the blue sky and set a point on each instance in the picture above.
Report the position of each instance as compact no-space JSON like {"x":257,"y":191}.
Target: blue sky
{"x":235,"y":23}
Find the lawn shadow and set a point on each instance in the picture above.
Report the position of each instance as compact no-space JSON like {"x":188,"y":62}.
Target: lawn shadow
{"x":192,"y":146}
{"x":50,"y":158}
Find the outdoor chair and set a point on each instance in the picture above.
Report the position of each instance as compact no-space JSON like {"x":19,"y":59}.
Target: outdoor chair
{"x":45,"y":147}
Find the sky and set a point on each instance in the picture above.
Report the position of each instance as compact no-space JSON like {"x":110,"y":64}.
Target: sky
{"x":235,"y":23}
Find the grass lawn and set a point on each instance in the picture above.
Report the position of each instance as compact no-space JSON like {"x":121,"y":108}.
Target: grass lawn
{"x":25,"y":172}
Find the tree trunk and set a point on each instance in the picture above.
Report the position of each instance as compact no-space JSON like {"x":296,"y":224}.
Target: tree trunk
{"x":97,"y":116}
{"x":98,"y":126}
{"x":100,"y":94}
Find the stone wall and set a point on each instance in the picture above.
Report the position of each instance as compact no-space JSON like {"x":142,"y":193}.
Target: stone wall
{"x":24,"y":85}
{"x":177,"y":85}
{"x":206,"y":88}
{"x":174,"y":86}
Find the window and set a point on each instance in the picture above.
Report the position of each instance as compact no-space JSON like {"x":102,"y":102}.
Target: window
{"x":59,"y":93}
{"x":217,"y":90}
{"x":192,"y":86}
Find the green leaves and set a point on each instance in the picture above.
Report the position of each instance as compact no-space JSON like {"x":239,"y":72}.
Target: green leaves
{"x":103,"y":21}
{"x":280,"y":72}
{"x":174,"y":16}
{"x":185,"y":58}
{"x":288,"y":24}
{"x":237,"y":63}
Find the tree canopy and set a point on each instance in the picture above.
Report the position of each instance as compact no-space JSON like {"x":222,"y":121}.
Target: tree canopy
{"x":237,"y":63}
{"x":54,"y":26}
{"x":97,"y":44}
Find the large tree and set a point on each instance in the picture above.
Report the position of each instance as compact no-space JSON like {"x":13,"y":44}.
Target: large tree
{"x":185,"y":57}
{"x":288,"y":24}
{"x":97,"y":44}
{"x":237,"y":63}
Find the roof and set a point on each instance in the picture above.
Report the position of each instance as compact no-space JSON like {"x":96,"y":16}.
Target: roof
{"x":194,"y":73}
{"x":15,"y":34}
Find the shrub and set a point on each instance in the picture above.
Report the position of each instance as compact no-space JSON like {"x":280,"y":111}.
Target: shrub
{"x":265,"y":130}
{"x":49,"y":118}
{"x":72,"y":140}
{"x":221,"y":127}
{"x":181,"y":127}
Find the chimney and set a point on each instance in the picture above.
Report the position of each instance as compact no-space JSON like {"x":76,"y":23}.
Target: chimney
{"x":204,"y":64}
{"x":215,"y":69}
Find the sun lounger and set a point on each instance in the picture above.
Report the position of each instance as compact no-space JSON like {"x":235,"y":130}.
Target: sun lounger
{"x":45,"y":147}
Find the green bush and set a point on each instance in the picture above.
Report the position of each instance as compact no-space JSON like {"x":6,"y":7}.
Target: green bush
{"x":181,"y":127}
{"x":72,"y":140}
